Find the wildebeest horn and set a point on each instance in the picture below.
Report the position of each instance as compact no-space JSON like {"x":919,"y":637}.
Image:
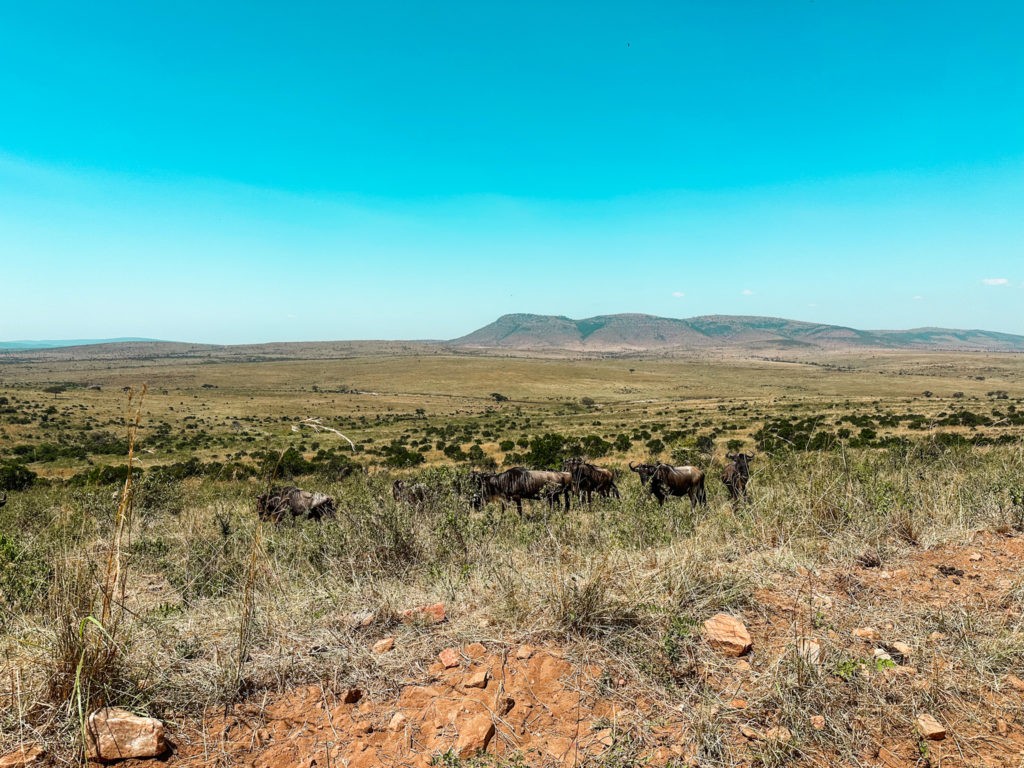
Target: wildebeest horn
{"x":632,"y":467}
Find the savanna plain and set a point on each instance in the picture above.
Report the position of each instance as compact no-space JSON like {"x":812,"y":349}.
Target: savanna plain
{"x":875,"y":565}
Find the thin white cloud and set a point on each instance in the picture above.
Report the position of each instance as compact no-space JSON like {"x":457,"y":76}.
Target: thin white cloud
{"x":918,"y":298}
{"x":678,"y":294}
{"x":996,"y":281}
{"x":747,"y":292}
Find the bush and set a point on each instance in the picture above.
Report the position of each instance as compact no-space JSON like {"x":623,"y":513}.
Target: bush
{"x":15,"y":477}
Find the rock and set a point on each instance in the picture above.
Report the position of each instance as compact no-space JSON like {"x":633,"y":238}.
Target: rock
{"x":474,"y":736}
{"x":975,"y":557}
{"x":728,"y":635}
{"x":504,"y":705}
{"x":351,"y":696}
{"x":1001,"y":727}
{"x":751,"y":733}
{"x":475,"y":650}
{"x":428,"y":614}
{"x":818,"y":722}
{"x":738,"y":704}
{"x":477,"y":679}
{"x":743,"y":666}
{"x":525,"y":652}
{"x":385,"y":645}
{"x":1014,"y":682}
{"x":779,"y":733}
{"x":866,"y":633}
{"x":362,"y":618}
{"x":930,"y":728}
{"x":808,"y":649}
{"x":398,"y":722}
{"x":881,"y":655}
{"x":23,"y":756}
{"x":116,"y":734}
{"x":450,"y":657}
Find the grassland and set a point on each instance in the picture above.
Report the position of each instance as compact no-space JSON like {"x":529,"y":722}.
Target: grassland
{"x":212,"y":609}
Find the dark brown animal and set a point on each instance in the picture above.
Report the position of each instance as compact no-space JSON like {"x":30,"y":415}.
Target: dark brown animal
{"x":415,"y":494}
{"x":589,"y":479}
{"x":664,"y":481}
{"x":514,"y":485}
{"x":736,"y":475}
{"x":277,"y":503}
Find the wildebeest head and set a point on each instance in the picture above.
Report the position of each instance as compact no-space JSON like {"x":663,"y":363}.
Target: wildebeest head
{"x":645,"y":471}
{"x":742,"y":461}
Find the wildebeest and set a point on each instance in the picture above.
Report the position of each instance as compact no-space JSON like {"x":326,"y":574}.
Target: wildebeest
{"x":736,"y":474}
{"x":516,"y":484}
{"x":413,"y":494}
{"x":664,"y":481}
{"x":275,"y":504}
{"x":589,"y":479}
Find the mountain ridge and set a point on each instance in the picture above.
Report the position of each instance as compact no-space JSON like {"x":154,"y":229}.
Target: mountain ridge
{"x":636,"y":332}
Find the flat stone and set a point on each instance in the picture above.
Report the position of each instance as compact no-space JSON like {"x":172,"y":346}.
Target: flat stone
{"x":866,"y":633}
{"x":477,"y":679}
{"x":450,"y":657}
{"x":398,"y":722}
{"x":116,"y":734}
{"x":474,"y":736}
{"x":930,"y":728}
{"x":384,"y":645}
{"x":23,"y":756}
{"x":475,"y":650}
{"x":818,"y":722}
{"x":728,"y":635}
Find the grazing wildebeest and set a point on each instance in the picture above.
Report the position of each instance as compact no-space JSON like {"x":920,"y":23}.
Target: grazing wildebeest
{"x":589,"y":479}
{"x":664,"y":481}
{"x":516,"y":484}
{"x":736,"y":474}
{"x":275,"y":504}
{"x":415,"y":494}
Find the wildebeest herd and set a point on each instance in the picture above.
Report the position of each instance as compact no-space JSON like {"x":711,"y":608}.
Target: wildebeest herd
{"x":577,"y":477}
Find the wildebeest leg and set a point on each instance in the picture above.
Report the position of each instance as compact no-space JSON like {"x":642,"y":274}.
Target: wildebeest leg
{"x":566,"y":494}
{"x":519,"y":507}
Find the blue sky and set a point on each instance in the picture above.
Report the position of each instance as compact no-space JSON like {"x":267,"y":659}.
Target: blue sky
{"x":236,"y":172}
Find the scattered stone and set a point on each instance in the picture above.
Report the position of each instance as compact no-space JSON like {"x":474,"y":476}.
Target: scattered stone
{"x":866,"y":633}
{"x":1014,"y":682}
{"x":23,"y":756}
{"x":742,"y":665}
{"x":475,"y":650}
{"x":779,"y":733}
{"x":751,"y":733}
{"x":728,"y":635}
{"x":474,"y":736}
{"x":450,"y":657}
{"x":808,"y":649}
{"x":504,"y":705}
{"x":115,"y":734}
{"x":525,"y":652}
{"x":738,"y":704}
{"x":351,"y":696}
{"x":363,"y":618}
{"x":429,"y":614}
{"x":975,"y":557}
{"x":881,"y":655}
{"x":936,"y":637}
{"x":1001,"y":727}
{"x":385,"y":645}
{"x":477,"y":679}
{"x":930,"y":728}
{"x":818,"y":722}
{"x":398,"y":722}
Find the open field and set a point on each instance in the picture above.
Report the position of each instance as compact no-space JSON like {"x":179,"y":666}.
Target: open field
{"x":871,"y":473}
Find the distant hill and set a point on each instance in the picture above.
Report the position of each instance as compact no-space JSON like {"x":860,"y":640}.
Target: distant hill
{"x":642,"y":333}
{"x":57,"y":343}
